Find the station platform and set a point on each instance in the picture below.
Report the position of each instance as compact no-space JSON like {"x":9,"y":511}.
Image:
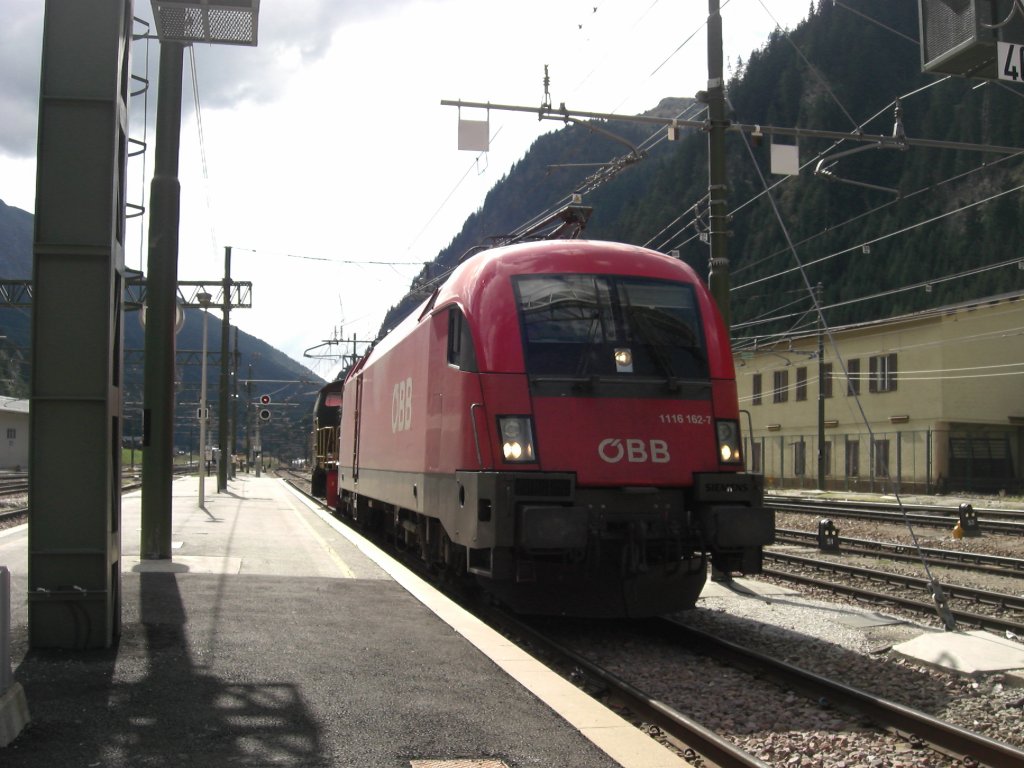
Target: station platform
{"x":273,"y":637}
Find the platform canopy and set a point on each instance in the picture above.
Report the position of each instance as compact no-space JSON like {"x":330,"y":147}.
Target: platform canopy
{"x":979,"y":39}
{"x":207,"y":21}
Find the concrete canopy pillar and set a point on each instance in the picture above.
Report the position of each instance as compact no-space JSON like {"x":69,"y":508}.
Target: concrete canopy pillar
{"x":77,"y":335}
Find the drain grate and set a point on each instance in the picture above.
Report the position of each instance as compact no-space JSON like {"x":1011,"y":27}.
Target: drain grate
{"x":457,"y":764}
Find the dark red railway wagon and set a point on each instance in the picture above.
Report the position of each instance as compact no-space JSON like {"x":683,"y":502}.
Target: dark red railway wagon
{"x":326,"y":420}
{"x":560,"y":419}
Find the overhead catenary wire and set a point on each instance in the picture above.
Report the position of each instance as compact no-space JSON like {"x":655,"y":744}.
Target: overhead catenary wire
{"x":588,"y":185}
{"x":767,"y":341}
{"x":738,"y":288}
{"x":598,"y":56}
{"x":451,"y":193}
{"x":813,"y":161}
{"x":814,"y":70}
{"x":331,"y":259}
{"x":942,"y":609}
{"x":1013,"y":262}
{"x":202,"y":146}
{"x":884,"y":237}
{"x":831,"y":229}
{"x":876,"y":22}
{"x":928,"y":188}
{"x":937,"y":593}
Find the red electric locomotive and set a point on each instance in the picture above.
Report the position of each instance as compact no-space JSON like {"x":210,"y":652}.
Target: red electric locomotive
{"x":560,"y":419}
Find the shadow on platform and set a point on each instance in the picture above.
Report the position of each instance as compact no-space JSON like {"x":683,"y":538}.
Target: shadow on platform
{"x":150,"y":702}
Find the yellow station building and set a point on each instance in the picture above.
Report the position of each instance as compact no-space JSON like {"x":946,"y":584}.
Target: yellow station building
{"x":930,"y":402}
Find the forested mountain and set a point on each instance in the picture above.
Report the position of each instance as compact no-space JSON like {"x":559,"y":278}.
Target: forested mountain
{"x":914,"y":228}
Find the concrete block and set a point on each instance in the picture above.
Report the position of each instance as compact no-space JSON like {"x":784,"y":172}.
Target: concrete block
{"x":13,"y":714}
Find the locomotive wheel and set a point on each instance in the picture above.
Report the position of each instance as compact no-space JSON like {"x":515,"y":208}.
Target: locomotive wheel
{"x":454,"y":557}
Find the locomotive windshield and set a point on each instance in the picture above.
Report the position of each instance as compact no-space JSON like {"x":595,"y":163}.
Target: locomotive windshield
{"x":610,"y":325}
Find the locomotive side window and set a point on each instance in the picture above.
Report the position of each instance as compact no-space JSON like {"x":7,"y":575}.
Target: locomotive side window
{"x":610,"y":325}
{"x":461,"y":353}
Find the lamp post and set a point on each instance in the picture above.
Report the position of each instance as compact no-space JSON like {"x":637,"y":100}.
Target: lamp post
{"x":225,"y":330}
{"x":204,"y":300}
{"x":177,"y":24}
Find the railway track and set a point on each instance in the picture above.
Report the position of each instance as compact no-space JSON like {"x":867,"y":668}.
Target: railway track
{"x":979,"y":576}
{"x":131,"y":480}
{"x":912,"y":732}
{"x":990,"y":520}
{"x":910,"y":724}
{"x":13,"y":485}
{"x":872,"y":578}
{"x":997,"y":565}
{"x":12,"y":516}
{"x":693,"y":741}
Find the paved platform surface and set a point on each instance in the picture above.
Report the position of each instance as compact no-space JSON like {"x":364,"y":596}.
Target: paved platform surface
{"x":271,"y":639}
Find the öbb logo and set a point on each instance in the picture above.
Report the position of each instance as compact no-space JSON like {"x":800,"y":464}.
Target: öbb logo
{"x":401,"y":406}
{"x":633,"y":450}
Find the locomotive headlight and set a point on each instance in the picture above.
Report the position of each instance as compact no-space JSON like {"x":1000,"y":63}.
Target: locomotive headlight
{"x":623,"y":360}
{"x":729,"y":441}
{"x":517,"y":438}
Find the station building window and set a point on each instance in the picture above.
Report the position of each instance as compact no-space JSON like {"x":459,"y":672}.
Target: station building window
{"x":755,"y":457}
{"x":756,"y":394}
{"x":801,"y":384}
{"x":881,"y":458}
{"x":780,"y":386}
{"x":853,"y":377}
{"x":800,"y":458}
{"x":882,"y":373}
{"x":12,"y":433}
{"x":853,"y":458}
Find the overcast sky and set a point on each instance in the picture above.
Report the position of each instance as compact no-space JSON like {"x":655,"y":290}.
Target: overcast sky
{"x":327,"y":145}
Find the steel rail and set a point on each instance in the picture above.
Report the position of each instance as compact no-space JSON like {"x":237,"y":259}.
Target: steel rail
{"x":885,"y":506}
{"x":130,"y":483}
{"x":917,"y":606}
{"x":712,"y":749}
{"x":985,"y":597}
{"x":991,"y":526}
{"x":906,"y":721}
{"x":10,"y":514}
{"x":13,"y":487}
{"x":998,"y":565}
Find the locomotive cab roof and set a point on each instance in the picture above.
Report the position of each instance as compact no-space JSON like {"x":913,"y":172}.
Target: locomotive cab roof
{"x":481,"y":287}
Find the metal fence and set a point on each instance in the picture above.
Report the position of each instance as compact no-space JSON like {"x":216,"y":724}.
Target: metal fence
{"x":894,"y":461}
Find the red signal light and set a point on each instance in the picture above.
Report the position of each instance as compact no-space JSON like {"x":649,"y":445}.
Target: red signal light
{"x":265,"y":399}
